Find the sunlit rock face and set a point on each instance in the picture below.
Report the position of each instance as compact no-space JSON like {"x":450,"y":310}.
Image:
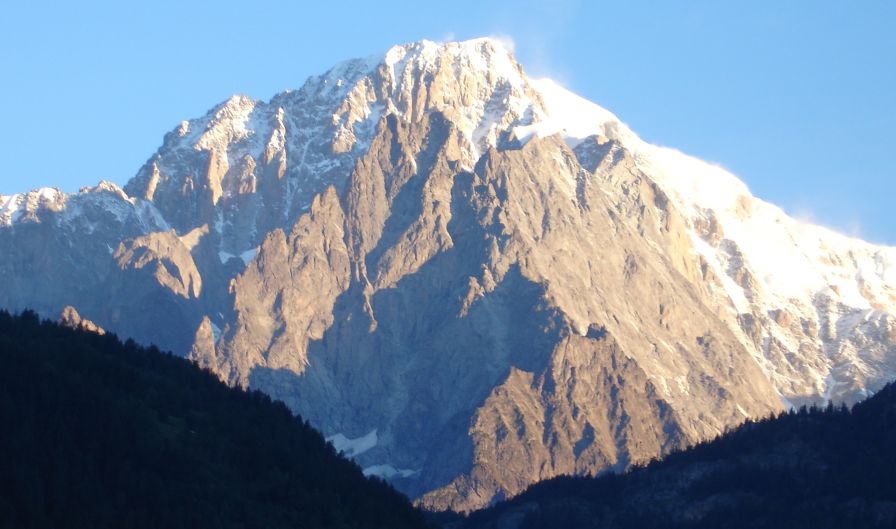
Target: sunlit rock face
{"x":471,"y":280}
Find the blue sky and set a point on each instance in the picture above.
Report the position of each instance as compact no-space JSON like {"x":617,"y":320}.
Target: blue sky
{"x":798,"y":98}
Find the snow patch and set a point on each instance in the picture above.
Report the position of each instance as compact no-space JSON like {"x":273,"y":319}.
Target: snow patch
{"x":216,"y":331}
{"x":573,"y":116}
{"x":353,"y":447}
{"x":248,"y":255}
{"x":10,"y":209}
{"x":388,"y":471}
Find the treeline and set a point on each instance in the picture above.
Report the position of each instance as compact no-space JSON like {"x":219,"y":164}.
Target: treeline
{"x":98,"y":433}
{"x":831,"y":467}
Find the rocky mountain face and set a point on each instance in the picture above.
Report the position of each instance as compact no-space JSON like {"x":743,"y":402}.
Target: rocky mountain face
{"x":471,"y":280}
{"x":816,"y":467}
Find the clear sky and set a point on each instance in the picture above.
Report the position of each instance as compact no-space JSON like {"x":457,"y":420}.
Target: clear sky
{"x":798,"y":98}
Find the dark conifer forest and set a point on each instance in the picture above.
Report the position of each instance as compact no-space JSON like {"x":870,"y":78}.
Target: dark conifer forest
{"x":98,"y":433}
{"x":832,"y":467}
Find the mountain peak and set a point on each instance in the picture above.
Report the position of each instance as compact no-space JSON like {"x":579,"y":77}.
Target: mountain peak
{"x":514,"y":102}
{"x":376,"y":250}
{"x":314,"y":134}
{"x":482,"y":53}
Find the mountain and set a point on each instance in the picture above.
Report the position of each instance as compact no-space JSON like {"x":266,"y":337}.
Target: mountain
{"x":469,"y":279}
{"x":809,"y":469}
{"x":103,"y":434}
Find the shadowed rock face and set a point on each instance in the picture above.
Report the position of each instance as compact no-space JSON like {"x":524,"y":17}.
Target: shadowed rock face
{"x":391,"y":252}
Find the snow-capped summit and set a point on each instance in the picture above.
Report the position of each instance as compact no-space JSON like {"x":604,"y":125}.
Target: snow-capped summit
{"x":24,"y":205}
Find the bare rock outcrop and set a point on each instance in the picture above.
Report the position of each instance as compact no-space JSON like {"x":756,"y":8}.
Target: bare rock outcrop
{"x":70,"y":318}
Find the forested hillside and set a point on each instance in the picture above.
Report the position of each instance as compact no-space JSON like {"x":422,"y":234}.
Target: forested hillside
{"x":97,"y":433}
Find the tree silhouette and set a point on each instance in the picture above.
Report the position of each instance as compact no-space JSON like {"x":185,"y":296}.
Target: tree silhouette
{"x":98,"y":433}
